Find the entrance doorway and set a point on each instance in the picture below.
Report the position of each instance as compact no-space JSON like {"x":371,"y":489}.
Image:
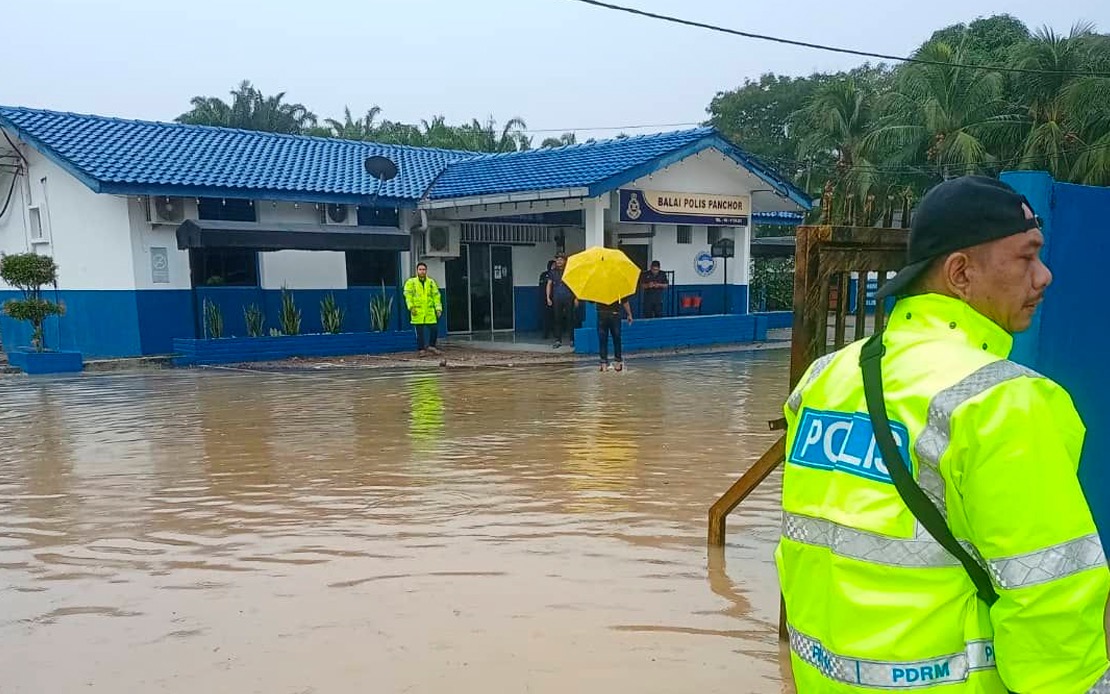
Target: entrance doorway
{"x":480,"y":289}
{"x":638,"y":254}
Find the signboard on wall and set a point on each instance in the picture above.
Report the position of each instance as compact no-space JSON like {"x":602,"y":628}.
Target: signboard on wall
{"x":661,"y":207}
{"x":159,"y":265}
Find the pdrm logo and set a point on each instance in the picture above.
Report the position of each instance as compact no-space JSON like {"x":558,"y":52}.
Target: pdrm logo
{"x":845,"y":442}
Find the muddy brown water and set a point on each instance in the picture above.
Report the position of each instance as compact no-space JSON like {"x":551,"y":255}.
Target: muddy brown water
{"x":504,"y":530}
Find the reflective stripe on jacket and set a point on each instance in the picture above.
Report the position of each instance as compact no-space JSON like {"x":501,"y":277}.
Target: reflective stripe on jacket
{"x":422,"y":300}
{"x":872,"y":601}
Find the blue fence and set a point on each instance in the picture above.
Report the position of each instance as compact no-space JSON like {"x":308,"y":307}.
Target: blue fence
{"x":1066,"y":339}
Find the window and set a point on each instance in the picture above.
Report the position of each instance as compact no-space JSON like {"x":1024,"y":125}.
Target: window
{"x":35,"y":215}
{"x":685,"y":233}
{"x":713,"y":235}
{"x":373,"y":268}
{"x":378,"y":217}
{"x":226,"y":210}
{"x":224,"y":267}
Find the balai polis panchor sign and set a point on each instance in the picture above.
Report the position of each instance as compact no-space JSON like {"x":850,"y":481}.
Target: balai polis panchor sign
{"x":661,"y":207}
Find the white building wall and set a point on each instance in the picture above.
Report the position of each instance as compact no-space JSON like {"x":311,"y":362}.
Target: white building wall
{"x":87,"y":234}
{"x":709,"y":172}
{"x":145,"y":237}
{"x":530,"y":261}
{"x":299,"y":269}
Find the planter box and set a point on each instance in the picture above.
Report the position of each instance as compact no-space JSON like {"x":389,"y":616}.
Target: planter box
{"x":46,"y":362}
{"x":230,"y":350}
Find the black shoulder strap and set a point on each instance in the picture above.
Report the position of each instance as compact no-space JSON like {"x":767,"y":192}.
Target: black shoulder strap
{"x":912,"y":494}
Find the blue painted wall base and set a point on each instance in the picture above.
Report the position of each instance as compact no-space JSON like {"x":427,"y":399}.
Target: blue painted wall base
{"x":229,"y":350}
{"x":676,"y":333}
{"x":46,"y":362}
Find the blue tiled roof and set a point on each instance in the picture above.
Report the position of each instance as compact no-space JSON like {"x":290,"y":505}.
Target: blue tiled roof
{"x":597,"y":166}
{"x":126,"y":156}
{"x":573,"y":166}
{"x":112,"y":155}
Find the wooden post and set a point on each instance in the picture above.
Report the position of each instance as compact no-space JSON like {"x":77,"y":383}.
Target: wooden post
{"x":718,"y":512}
{"x":842,"y":301}
{"x":861,"y":305}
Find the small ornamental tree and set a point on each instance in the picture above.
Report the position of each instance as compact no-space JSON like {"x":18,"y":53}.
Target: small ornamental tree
{"x":29,"y":273}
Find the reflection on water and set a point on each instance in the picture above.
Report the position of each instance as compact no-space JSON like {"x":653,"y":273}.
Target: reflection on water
{"x":516,"y":530}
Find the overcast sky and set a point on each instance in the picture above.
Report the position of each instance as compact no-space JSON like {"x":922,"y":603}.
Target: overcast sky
{"x":558,"y":64}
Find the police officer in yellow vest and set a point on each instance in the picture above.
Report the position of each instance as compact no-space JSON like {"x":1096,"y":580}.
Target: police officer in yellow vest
{"x":425,"y":307}
{"x":1003,"y":586}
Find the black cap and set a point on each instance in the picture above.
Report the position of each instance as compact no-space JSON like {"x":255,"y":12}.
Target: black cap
{"x":958,"y":214}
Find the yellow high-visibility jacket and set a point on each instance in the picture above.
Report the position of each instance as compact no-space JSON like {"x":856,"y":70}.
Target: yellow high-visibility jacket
{"x":873,"y":603}
{"x":423,"y":300}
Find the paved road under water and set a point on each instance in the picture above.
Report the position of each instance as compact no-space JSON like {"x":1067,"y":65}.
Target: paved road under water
{"x":514,"y":530}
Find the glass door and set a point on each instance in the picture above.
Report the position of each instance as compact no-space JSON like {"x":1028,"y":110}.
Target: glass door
{"x":501,"y":291}
{"x":481,"y":308}
{"x":457,"y":271}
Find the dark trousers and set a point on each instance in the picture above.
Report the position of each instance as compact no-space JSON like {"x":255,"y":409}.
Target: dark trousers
{"x":564,"y":319}
{"x":609,"y":325}
{"x":426,"y":335}
{"x":547,"y":314}
{"x":653,"y":306}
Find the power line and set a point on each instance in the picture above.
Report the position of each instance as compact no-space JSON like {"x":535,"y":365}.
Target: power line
{"x":835,"y":49}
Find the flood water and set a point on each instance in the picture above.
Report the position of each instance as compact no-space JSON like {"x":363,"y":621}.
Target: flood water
{"x":466,"y":531}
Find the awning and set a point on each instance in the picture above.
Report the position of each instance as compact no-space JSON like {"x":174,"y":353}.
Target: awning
{"x":773,"y":247}
{"x":279,"y":237}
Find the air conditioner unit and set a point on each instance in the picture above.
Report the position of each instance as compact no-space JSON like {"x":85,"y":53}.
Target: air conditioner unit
{"x":166,"y":210}
{"x":442,"y":240}
{"x":337,"y":215}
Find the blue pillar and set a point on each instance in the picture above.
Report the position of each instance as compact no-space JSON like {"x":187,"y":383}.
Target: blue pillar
{"x":1036,"y":186}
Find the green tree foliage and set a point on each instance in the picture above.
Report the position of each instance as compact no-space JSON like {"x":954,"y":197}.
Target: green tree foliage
{"x":874,"y":138}
{"x":29,"y":273}
{"x":250,"y":109}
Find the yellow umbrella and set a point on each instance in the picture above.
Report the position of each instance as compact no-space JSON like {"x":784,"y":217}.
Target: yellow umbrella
{"x":604,"y":275}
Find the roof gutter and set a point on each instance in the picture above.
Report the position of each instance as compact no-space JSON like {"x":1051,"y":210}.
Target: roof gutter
{"x":502,"y":198}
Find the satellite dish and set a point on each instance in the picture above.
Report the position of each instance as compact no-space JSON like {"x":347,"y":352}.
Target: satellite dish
{"x":380,"y":168}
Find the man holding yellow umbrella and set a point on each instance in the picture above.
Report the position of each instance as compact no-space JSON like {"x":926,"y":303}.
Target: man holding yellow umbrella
{"x":606,"y":277}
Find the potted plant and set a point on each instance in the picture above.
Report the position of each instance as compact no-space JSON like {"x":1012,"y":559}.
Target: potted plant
{"x":29,"y":273}
{"x":381,"y":309}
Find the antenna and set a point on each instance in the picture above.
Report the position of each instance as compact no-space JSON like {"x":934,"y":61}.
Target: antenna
{"x":382,"y":169}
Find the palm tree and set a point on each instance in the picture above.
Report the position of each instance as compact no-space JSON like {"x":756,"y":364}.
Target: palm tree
{"x":561,"y":141}
{"x":1069,"y":133}
{"x":839,"y":120}
{"x":1051,"y":140}
{"x":485,"y":137}
{"x":250,"y":110}
{"x":946,"y":116}
{"x":350,"y":129}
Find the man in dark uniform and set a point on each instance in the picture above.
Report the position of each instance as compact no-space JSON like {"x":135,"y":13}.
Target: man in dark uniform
{"x":654,"y":283}
{"x":547,"y":313}
{"x":562,"y":300}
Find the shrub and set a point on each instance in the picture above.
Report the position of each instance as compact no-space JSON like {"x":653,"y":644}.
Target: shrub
{"x":255,"y":320}
{"x":331,"y":314}
{"x":29,"y":272}
{"x":290,"y":314}
{"x":381,"y":310}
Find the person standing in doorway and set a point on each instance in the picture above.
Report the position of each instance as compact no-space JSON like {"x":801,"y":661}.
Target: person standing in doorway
{"x":425,"y":307}
{"x":561,"y":299}
{"x":609,"y":323}
{"x":654,"y":283}
{"x":547,"y":312}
